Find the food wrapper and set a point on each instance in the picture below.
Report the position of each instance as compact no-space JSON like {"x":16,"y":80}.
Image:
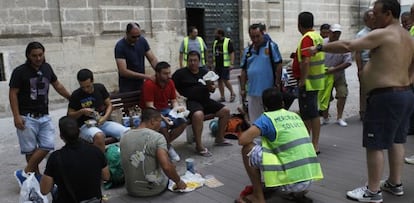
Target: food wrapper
{"x":193,"y":182}
{"x":174,"y":113}
{"x":210,"y":76}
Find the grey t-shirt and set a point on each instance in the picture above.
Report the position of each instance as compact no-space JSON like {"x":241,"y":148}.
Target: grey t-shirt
{"x":194,"y":45}
{"x":143,"y":175}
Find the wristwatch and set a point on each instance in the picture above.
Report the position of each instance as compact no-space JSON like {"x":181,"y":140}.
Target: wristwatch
{"x":319,"y":47}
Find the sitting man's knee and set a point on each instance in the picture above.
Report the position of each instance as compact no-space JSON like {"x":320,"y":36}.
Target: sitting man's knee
{"x":198,"y":115}
{"x":99,"y":137}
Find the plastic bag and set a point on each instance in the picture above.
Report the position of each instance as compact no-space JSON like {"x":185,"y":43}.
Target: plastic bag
{"x":192,"y":180}
{"x":113,"y":156}
{"x":30,"y":191}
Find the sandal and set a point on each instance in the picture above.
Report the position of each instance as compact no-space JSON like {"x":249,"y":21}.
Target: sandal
{"x":223,"y":144}
{"x":205,"y":153}
{"x":232,"y":98}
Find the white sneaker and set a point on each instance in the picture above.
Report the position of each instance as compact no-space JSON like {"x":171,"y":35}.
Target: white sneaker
{"x":362,"y":194}
{"x":409,"y":160}
{"x":325,"y":121}
{"x":341,"y":122}
{"x":173,"y":154}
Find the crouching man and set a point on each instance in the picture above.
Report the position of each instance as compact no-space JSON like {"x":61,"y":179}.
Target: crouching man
{"x":285,"y":157}
{"x":145,"y":158}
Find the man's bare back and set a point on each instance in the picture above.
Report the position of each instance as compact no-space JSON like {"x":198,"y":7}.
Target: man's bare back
{"x":391,"y":60}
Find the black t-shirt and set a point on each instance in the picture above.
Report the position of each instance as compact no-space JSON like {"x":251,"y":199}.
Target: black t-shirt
{"x":82,"y":165}
{"x":80,"y":99}
{"x":219,"y":52}
{"x":33,"y":87}
{"x":188,"y":85}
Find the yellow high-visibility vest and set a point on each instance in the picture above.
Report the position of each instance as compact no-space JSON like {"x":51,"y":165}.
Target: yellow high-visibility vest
{"x":290,"y":158}
{"x":316,"y":76}
{"x":226,"y":54}
{"x":201,"y":42}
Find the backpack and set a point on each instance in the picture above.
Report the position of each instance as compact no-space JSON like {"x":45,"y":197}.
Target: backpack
{"x":113,"y":157}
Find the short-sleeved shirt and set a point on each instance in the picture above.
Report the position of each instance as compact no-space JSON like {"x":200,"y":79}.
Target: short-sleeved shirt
{"x":306,"y":42}
{"x":33,"y":96}
{"x":82,"y":165}
{"x":219,"y":62}
{"x":365,"y":52}
{"x":134,"y":54}
{"x":188,"y":84}
{"x":138,"y":174}
{"x":259,"y":69}
{"x":152,"y":92}
{"x":80,"y":99}
{"x":332,"y":60}
{"x":266,"y":127}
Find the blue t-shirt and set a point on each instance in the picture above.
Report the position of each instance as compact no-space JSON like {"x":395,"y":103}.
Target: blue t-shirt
{"x":259,"y":69}
{"x":135,"y":59}
{"x":266,"y":127}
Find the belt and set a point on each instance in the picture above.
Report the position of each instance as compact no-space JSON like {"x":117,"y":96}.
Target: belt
{"x":388,"y":89}
{"x":35,"y":115}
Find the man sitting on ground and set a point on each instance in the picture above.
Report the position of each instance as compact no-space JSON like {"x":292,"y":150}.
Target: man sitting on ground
{"x":159,"y":94}
{"x":91,"y":102}
{"x":66,"y":167}
{"x":286,"y":157}
{"x":145,"y":158}
{"x":190,"y":84}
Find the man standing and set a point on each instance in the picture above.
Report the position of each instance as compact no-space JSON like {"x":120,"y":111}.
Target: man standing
{"x":67,"y":167}
{"x":223,"y":58}
{"x":159,"y":94}
{"x":285,"y":158}
{"x":336,"y":65}
{"x":362,"y":58}
{"x":406,"y":20}
{"x":144,"y":156}
{"x":129,"y":57}
{"x":387,"y":78}
{"x":312,"y":76}
{"x":192,"y":43}
{"x":29,"y":99}
{"x":91,"y":102}
{"x":190,"y":84}
{"x":261,"y":68}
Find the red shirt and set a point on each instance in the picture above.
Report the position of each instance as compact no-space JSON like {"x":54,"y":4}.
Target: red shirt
{"x":152,"y":92}
{"x":306,"y":42}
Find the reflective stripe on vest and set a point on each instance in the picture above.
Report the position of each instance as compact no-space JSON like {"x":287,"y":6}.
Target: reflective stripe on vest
{"x":201,"y":42}
{"x":290,"y":158}
{"x":316,"y":72}
{"x":226,"y":55}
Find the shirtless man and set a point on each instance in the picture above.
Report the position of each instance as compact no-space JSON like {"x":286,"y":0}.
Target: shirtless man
{"x":387,"y":78}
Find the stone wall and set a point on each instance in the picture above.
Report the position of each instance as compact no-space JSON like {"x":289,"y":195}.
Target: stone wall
{"x":82,"y":33}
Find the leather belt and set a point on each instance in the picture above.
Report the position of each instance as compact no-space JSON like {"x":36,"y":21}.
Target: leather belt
{"x":388,"y":89}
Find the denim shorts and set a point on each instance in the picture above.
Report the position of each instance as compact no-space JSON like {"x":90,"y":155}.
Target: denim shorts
{"x":38,"y":133}
{"x":109,"y":128}
{"x":255,"y":160}
{"x":176,"y":121}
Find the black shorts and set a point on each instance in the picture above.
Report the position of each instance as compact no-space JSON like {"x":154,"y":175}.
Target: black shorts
{"x":223,"y":73}
{"x":208,"y":107}
{"x":308,"y":104}
{"x":387,"y":118}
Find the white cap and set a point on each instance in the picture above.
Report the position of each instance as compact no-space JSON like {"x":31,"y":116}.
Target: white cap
{"x":336,"y":28}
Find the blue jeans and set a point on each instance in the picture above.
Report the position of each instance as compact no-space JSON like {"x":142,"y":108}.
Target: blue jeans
{"x":176,"y":121}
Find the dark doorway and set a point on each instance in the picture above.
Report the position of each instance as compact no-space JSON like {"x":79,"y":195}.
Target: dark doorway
{"x":195,"y":17}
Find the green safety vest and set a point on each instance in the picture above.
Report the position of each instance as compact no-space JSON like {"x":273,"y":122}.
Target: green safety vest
{"x":290,"y":158}
{"x":201,"y":42}
{"x":226,"y":55}
{"x":316,"y":76}
{"x":412,"y":31}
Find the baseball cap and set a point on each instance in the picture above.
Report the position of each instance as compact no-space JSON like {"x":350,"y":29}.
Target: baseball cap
{"x":336,"y":28}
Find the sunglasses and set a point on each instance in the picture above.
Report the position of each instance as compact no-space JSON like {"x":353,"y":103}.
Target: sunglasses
{"x":136,"y":36}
